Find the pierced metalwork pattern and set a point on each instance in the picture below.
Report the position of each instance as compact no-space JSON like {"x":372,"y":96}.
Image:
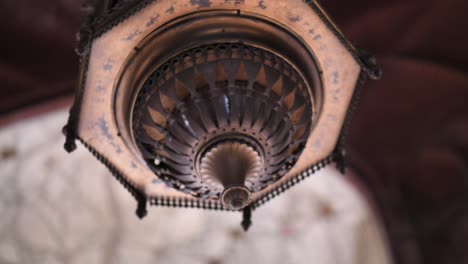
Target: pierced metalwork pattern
{"x":218,"y":93}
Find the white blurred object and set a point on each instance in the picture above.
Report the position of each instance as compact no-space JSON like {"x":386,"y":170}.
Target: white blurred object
{"x":60,"y":208}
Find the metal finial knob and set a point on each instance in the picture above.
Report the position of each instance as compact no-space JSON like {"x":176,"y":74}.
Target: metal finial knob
{"x":236,"y":197}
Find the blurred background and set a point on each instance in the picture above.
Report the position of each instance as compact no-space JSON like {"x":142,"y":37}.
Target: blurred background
{"x":408,"y":147}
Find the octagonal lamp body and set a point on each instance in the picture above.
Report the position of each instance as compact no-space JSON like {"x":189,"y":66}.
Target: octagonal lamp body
{"x":166,"y":87}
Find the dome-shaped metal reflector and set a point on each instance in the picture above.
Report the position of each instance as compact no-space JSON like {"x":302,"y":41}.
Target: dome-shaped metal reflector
{"x":211,"y":95}
{"x":213,"y":104}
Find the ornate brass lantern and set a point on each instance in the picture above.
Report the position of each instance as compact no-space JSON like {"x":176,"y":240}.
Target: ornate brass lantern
{"x":214,"y":104}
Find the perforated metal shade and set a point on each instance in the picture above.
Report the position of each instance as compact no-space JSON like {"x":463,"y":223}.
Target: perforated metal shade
{"x":172,"y":92}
